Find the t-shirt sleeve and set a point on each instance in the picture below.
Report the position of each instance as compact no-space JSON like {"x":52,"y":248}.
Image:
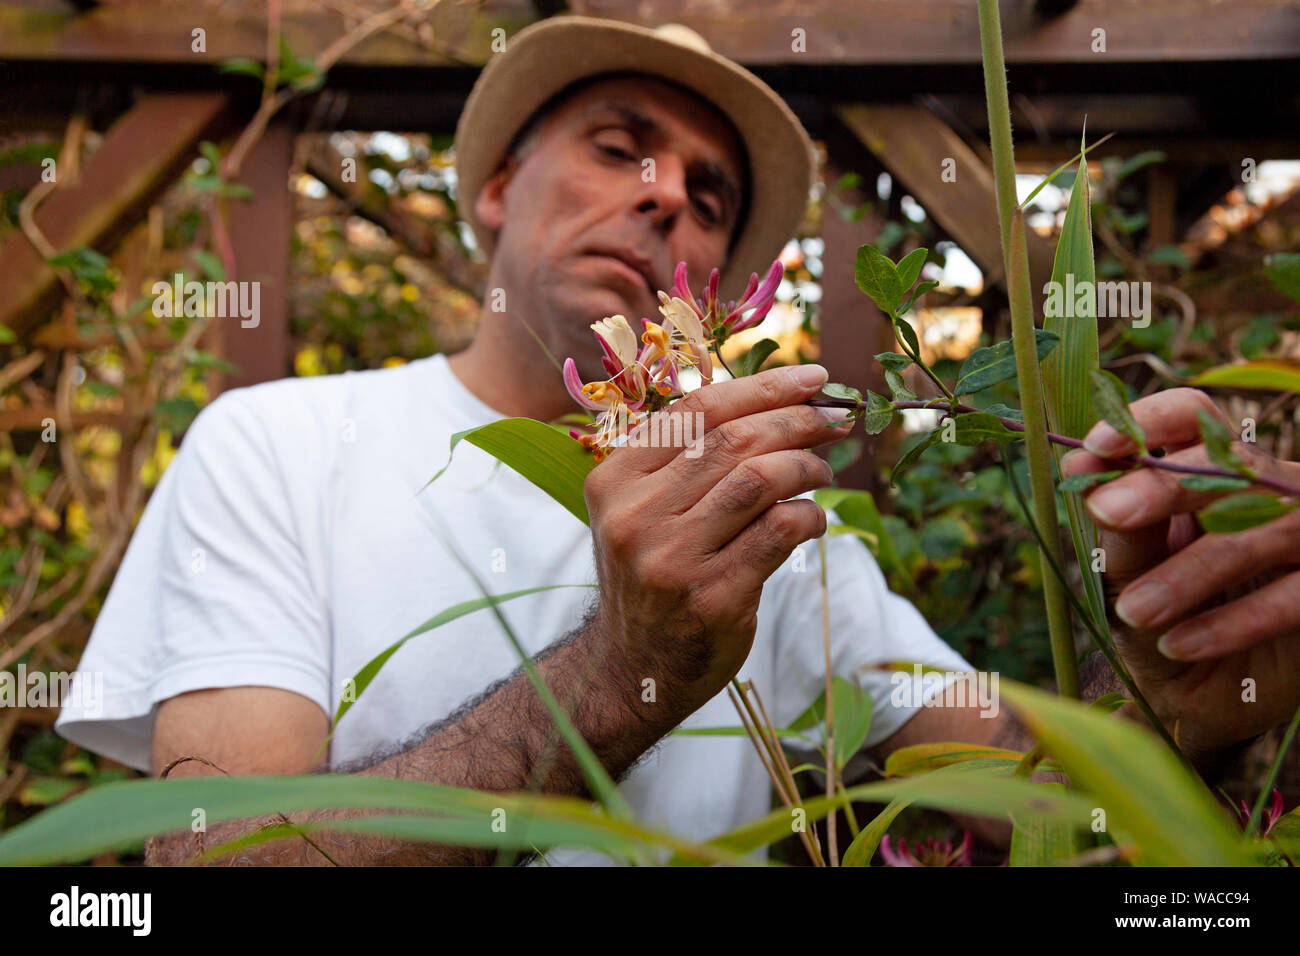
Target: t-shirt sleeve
{"x":214,"y":590}
{"x":871,"y":628}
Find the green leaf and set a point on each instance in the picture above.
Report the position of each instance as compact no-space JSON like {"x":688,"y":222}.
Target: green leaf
{"x":919,"y":291}
{"x":757,"y":355}
{"x":977,"y":789}
{"x":1078,"y":483}
{"x":1006,"y":411}
{"x":928,"y":757}
{"x":1109,"y":703}
{"x":1134,"y":163}
{"x":1151,"y":799}
{"x":124,"y":814}
{"x":857,"y":509}
{"x":210,"y":151}
{"x":43,"y":791}
{"x":863,"y":848}
{"x":909,"y":267}
{"x":907,"y":335}
{"x":1283,"y":270}
{"x":877,"y":414}
{"x":894,"y":361}
{"x":241,"y":65}
{"x":358,"y":683}
{"x":1111,"y":399}
{"x":988,"y":366}
{"x":910,"y":456}
{"x":7,"y":335}
{"x":1240,"y":512}
{"x":88,"y":267}
{"x":1067,"y":391}
{"x":1218,"y":444}
{"x":877,"y":276}
{"x":1214,"y":483}
{"x":841,"y":392}
{"x":1036,"y":841}
{"x":1169,"y":256}
{"x":1274,"y":375}
{"x":898,"y":387}
{"x":209,"y":264}
{"x":549,"y":459}
{"x":974,"y":428}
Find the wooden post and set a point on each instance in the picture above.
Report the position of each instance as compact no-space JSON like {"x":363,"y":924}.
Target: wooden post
{"x":260,"y":233}
{"x":853,"y":330}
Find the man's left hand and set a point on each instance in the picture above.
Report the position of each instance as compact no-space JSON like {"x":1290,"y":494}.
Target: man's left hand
{"x":1206,"y":614}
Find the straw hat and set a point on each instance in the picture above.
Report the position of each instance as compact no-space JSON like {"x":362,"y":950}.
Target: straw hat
{"x":545,"y":57}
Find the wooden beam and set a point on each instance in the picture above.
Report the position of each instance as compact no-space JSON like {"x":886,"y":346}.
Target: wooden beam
{"x":139,"y":158}
{"x":917,"y":148}
{"x":834,"y":32}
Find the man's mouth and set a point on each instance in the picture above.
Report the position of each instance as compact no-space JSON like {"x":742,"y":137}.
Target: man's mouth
{"x":633,"y":264}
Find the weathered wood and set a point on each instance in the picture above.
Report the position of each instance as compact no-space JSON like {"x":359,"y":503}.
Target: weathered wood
{"x":756,"y":32}
{"x":261,"y":231}
{"x":140,"y":156}
{"x":917,"y":148}
{"x":853,"y":330}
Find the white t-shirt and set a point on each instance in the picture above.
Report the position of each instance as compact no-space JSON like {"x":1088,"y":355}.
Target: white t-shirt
{"x":289,"y":542}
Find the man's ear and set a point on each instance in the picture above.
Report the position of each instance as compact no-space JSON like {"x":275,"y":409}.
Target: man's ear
{"x":490,"y":204}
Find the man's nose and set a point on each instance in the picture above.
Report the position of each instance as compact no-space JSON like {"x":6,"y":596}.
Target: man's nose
{"x":663,"y":192}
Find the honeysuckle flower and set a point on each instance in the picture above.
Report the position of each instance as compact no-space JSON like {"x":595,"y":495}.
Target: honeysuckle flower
{"x":644,"y":373}
{"x":1272,"y":813}
{"x":723,"y":319}
{"x":688,"y":339}
{"x":929,"y":852}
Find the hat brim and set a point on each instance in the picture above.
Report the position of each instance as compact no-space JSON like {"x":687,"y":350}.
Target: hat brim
{"x":546,"y":57}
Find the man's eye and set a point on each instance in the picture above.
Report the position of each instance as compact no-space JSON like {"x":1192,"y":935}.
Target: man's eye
{"x":707,"y":210}
{"x":614,"y":148}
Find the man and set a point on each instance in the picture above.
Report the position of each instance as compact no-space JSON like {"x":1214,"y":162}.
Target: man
{"x":287,"y":544}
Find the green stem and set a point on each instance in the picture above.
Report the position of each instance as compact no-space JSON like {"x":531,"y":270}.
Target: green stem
{"x":1016,"y":263}
{"x":1257,"y":814}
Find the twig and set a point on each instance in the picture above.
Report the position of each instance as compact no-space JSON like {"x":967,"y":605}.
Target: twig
{"x":1147,"y":461}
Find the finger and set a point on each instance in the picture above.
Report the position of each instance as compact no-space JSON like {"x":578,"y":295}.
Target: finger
{"x":690,"y":476}
{"x":1147,"y":495}
{"x":751,"y":488}
{"x":1204,"y":570}
{"x":752,"y":556}
{"x":1267,"y":614}
{"x":1080,"y":461}
{"x":722,"y":402}
{"x":1167,"y":418}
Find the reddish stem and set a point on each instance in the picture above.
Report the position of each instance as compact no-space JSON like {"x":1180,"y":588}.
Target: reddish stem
{"x":1148,"y":461}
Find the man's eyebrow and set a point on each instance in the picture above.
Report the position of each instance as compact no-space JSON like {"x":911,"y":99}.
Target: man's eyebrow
{"x":710,"y":173}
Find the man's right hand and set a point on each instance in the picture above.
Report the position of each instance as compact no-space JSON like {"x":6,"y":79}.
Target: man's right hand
{"x":685,"y":538}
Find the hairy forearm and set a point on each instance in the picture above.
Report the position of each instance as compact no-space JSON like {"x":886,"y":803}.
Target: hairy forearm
{"x":502,"y":741}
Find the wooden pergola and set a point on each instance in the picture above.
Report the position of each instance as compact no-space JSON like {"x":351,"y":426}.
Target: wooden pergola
{"x":886,"y":85}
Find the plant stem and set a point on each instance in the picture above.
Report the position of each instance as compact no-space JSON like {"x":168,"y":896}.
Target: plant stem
{"x":1257,"y":814}
{"x":1039,"y":452}
{"x":1015,"y":261}
{"x":1131,"y":461}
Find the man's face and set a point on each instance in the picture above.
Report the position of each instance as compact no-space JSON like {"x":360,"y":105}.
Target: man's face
{"x":587,"y":228}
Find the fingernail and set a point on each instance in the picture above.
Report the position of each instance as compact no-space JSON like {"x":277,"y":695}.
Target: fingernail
{"x":833,"y":414}
{"x":1144,"y":604}
{"x":1115,"y":505}
{"x":1186,"y":643}
{"x":1069,"y":456}
{"x":809,"y":375}
{"x":1105,"y":441}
